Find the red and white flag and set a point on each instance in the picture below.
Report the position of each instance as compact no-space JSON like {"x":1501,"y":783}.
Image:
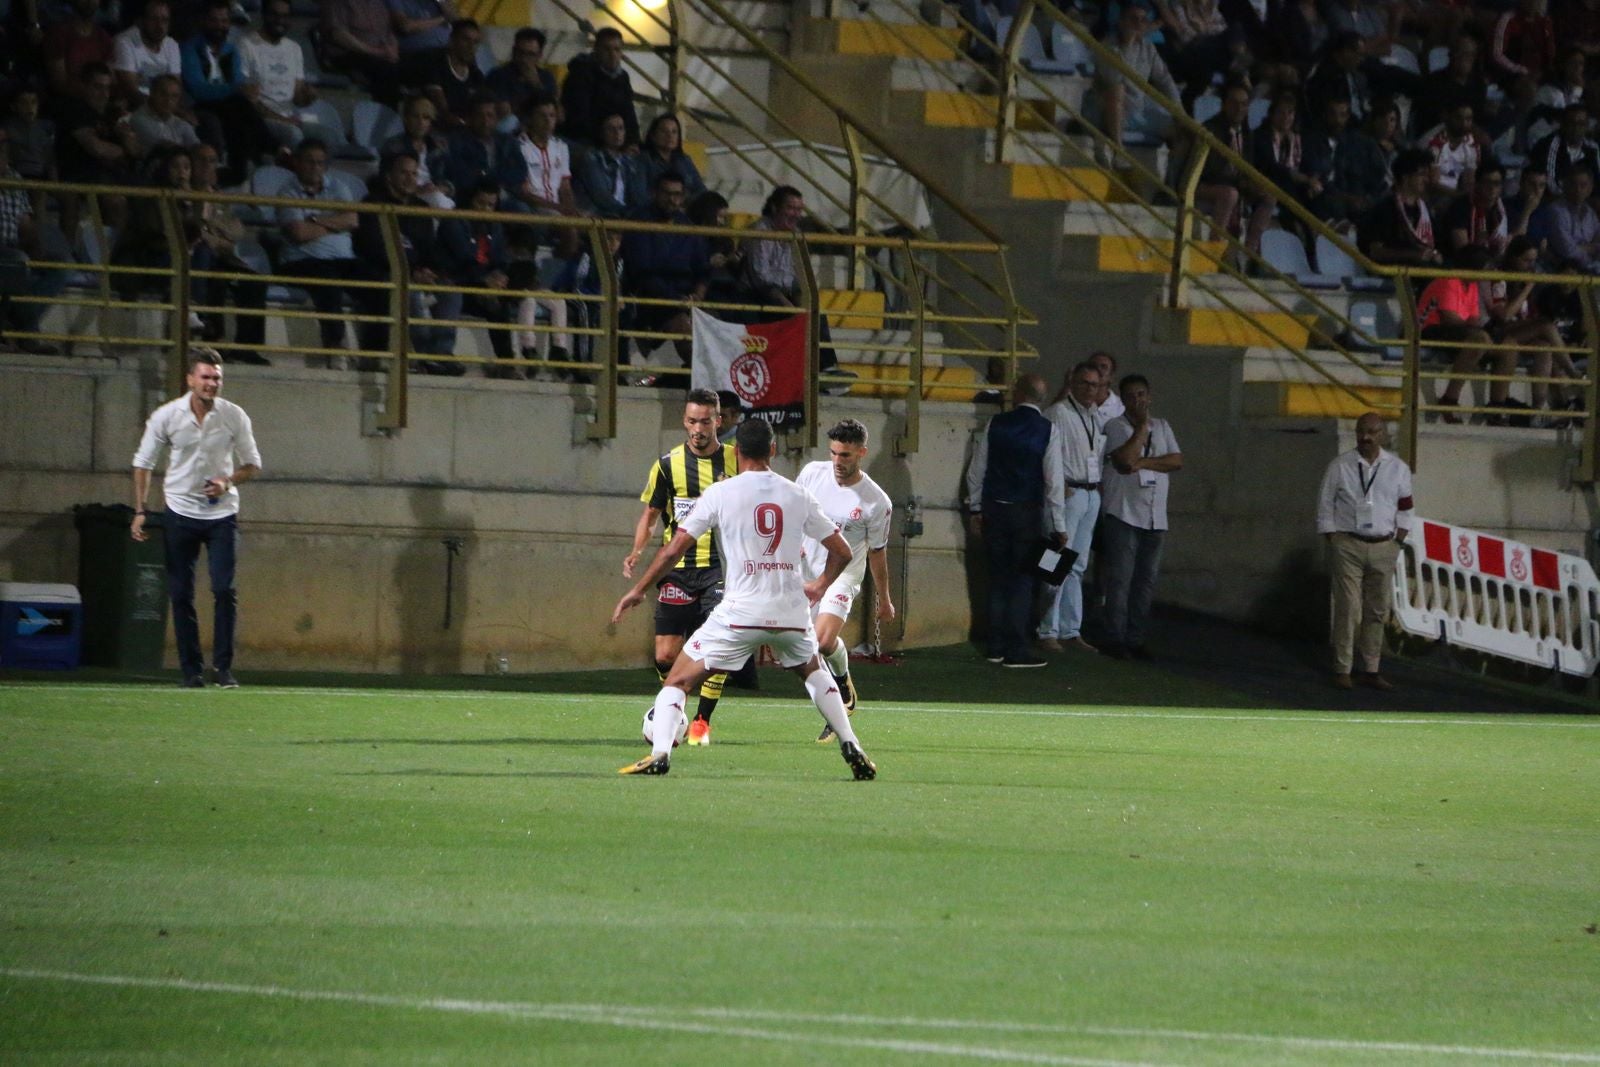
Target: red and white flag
{"x":764,"y":364}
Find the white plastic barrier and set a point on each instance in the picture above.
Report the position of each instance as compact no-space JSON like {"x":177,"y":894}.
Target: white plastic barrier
{"x":1477,"y":591}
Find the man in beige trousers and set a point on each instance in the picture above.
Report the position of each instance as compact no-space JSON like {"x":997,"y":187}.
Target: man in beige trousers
{"x":1364,"y":512}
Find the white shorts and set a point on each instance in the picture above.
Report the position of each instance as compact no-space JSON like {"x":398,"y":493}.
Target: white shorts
{"x":726,"y":648}
{"x":839,"y":598}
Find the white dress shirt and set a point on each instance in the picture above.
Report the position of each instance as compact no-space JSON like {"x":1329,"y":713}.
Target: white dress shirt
{"x":1368,"y":500}
{"x":1055,"y":483}
{"x":1138,"y":499}
{"x":1083,"y":440}
{"x":214,"y":448}
{"x":1111,"y":408}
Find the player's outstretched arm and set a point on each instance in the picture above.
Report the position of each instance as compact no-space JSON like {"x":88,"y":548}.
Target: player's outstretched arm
{"x":669,"y":555}
{"x":641,"y":537}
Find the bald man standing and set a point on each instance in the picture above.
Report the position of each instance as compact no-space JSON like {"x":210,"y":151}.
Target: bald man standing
{"x":1016,"y":492}
{"x":1364,"y":512}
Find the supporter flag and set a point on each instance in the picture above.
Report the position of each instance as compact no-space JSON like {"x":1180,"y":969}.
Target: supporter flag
{"x":763,"y":363}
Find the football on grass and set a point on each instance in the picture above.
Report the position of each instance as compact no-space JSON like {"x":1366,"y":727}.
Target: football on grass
{"x":650,"y":725}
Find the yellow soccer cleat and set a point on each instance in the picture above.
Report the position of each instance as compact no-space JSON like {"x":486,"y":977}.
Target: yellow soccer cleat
{"x":649,"y":765}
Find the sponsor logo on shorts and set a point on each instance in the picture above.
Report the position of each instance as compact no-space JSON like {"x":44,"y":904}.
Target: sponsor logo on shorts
{"x":673,"y":594}
{"x":841,"y":598}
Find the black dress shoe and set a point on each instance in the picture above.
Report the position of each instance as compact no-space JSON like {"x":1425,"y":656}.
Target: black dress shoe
{"x":193,"y":681}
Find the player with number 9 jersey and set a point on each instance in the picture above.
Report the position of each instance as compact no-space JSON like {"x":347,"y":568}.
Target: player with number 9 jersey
{"x":762,"y":520}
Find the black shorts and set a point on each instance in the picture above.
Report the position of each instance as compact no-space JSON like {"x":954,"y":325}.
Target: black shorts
{"x":684,"y":599}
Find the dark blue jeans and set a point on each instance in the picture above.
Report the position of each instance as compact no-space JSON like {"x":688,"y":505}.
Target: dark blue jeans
{"x":184,"y":539}
{"x":1010,"y":535}
{"x":1130,"y":558}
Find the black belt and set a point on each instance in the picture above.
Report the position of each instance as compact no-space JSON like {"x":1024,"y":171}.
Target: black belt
{"x":1368,"y":540}
{"x":1083,"y":485}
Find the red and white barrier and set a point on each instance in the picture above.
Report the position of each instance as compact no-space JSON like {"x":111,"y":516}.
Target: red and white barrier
{"x":1477,"y":591}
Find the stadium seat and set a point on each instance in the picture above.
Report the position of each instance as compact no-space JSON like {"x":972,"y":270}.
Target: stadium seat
{"x":1438,"y":58}
{"x":1206,"y":107}
{"x":1376,"y":319}
{"x":372,"y":123}
{"x":329,"y":125}
{"x":1332,"y":260}
{"x":265,"y":181}
{"x":1072,"y":53}
{"x":1258,"y":112}
{"x":1284,"y":251}
{"x":1404,"y":58}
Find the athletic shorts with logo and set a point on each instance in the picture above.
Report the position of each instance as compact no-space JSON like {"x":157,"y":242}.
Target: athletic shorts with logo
{"x":685,"y":599}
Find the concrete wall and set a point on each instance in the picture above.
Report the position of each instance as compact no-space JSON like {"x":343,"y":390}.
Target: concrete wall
{"x":343,"y":564}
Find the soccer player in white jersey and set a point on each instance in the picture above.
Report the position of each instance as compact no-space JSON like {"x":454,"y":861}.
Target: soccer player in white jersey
{"x":761,"y":519}
{"x":862,"y":512}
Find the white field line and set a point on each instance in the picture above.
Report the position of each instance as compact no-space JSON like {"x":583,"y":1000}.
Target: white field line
{"x":635,"y":1017}
{"x":1354,"y":718}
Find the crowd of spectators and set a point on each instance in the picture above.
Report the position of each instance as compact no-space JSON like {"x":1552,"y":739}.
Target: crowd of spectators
{"x":167,"y":91}
{"x":1421,"y":129}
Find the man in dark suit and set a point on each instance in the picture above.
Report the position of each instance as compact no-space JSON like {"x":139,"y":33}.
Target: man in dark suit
{"x":1016,"y":490}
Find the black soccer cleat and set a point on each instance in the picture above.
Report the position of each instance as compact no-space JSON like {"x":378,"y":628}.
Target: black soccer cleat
{"x":847,"y":690}
{"x":861,"y":767}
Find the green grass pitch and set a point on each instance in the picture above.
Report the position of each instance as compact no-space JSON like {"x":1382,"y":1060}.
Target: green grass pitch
{"x":459,"y":876}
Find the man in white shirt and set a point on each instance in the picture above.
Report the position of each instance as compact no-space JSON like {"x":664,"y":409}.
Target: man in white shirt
{"x":212,"y":450}
{"x":143,"y":52}
{"x":1079,"y":430}
{"x":158,"y":122}
{"x":275,"y":78}
{"x":1106,"y":399}
{"x":862,"y":512}
{"x":761,"y":519}
{"x":1141,"y":455}
{"x":1364,"y":512}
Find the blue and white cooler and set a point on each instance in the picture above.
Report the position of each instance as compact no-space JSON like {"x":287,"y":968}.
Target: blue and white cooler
{"x":41,"y":626}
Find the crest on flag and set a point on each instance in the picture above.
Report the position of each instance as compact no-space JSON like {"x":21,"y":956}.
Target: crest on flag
{"x":764,"y":364}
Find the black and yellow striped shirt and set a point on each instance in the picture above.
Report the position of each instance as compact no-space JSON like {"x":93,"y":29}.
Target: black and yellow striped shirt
{"x":676,"y":481}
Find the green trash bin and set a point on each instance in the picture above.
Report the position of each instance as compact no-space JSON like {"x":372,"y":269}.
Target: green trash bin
{"x":124,"y":588}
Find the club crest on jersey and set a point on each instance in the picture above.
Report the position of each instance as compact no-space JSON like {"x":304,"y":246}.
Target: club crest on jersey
{"x":855,"y":514}
{"x":672,"y":594}
{"x":749,"y":373}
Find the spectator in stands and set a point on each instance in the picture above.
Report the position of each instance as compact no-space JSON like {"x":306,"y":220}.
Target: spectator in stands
{"x":548,"y":190}
{"x":480,"y":153}
{"x":1375,"y":25}
{"x":432,"y":151}
{"x":1577,"y":24}
{"x":1339,"y":76}
{"x":20,"y":241}
{"x":727,"y":283}
{"x":1531,"y":209}
{"x":275,"y":76}
{"x":1561,"y":89}
{"x":396,"y":183}
{"x":144,"y":52}
{"x":1574,"y":226}
{"x":662,"y":152}
{"x":158,"y":121}
{"x":96,"y":146}
{"x":1568,"y":147}
{"x":665,"y":266}
{"x":358,"y":38}
{"x":220,"y":234}
{"x":318,"y":244}
{"x":1221,"y":191}
{"x":32,"y":142}
{"x":421,"y":26}
{"x":1514,"y":319}
{"x":1198,"y":42}
{"x":1521,"y":50}
{"x":144,"y":242}
{"x":1455,"y":154}
{"x":1400,"y":228}
{"x":451,"y":78}
{"x":1459,"y":82}
{"x":1479,"y":217}
{"x":475,"y":254}
{"x":1107,"y":400}
{"x":213,"y":76}
{"x":1280,"y":153}
{"x":1121,"y":108}
{"x":773,"y":272}
{"x":1451,"y":311}
{"x":71,"y":46}
{"x":523,"y":75}
{"x":1141,"y":454}
{"x":1384,"y":127}
{"x":597,"y":85}
{"x":606,"y":179}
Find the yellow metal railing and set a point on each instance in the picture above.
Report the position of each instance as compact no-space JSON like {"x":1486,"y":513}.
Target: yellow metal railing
{"x":903,"y":335}
{"x":1005,"y":79}
{"x":970,"y":289}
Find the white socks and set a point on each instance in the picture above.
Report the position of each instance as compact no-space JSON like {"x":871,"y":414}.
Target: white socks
{"x":669,"y":705}
{"x":825,"y":695}
{"x":838,"y":660}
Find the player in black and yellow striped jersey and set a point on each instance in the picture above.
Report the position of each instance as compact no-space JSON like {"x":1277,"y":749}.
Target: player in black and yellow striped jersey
{"x":685,"y":597}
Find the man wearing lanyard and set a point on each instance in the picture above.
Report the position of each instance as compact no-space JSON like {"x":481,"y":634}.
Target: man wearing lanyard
{"x":212,"y":450}
{"x":1141,"y":455}
{"x":1078,"y":424}
{"x":1364,"y":512}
